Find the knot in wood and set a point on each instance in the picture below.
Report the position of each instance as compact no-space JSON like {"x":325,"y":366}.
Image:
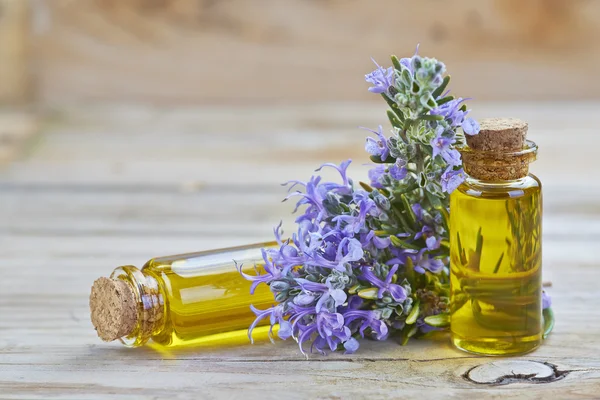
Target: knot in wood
{"x":505,"y":372}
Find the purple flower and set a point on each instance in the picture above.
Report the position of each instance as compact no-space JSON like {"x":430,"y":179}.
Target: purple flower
{"x":316,"y":192}
{"x":441,"y":145}
{"x":418,"y":210}
{"x":355,"y":223}
{"x":426,"y":232}
{"x":431,"y":241}
{"x":470,"y":126}
{"x":369,"y":240}
{"x":349,"y":250}
{"x":312,"y":197}
{"x":346,"y":186}
{"x":332,"y":331}
{"x":451,"y":112}
{"x":451,"y":179}
{"x":375,"y":175}
{"x":377,"y":147}
{"x":272,"y":272}
{"x":381,"y":79}
{"x":424,"y":262}
{"x":276,"y":316}
{"x":351,"y":345}
{"x":398,"y":170}
{"x":546,"y":300}
{"x":396,"y":291}
{"x":366,"y":319}
{"x":330,"y":297}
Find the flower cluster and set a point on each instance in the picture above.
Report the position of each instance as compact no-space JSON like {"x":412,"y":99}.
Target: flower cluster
{"x":372,"y":260}
{"x":337,"y":277}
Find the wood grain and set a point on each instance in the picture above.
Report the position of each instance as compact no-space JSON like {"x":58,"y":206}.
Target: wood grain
{"x":106,"y":186}
{"x":240,"y":52}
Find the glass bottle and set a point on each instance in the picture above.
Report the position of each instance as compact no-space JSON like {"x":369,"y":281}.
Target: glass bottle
{"x":191,"y":299}
{"x":496,"y":247}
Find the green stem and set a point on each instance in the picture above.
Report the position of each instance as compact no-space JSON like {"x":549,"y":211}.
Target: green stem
{"x":548,"y":321}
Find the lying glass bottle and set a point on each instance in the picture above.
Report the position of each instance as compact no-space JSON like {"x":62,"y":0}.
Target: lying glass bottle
{"x":183,"y":300}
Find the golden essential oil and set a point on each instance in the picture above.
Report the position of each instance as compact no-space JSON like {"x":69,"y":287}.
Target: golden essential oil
{"x":496,"y":248}
{"x":191,"y":299}
{"x":496,"y":270}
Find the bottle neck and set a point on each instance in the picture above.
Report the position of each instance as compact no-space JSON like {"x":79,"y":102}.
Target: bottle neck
{"x":498,"y":166}
{"x":150,"y":303}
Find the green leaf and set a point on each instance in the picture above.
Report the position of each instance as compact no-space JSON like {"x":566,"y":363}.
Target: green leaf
{"x":461,"y":250}
{"x":445,"y":217}
{"x":384,"y":192}
{"x":499,"y":263}
{"x":422,"y":179}
{"x":396,"y":241}
{"x":479,"y":246}
{"x":438,"y":92}
{"x":407,"y":189}
{"x":431,"y":117}
{"x":463,"y":107}
{"x":415,"y":87}
{"x":548,"y":321}
{"x":434,"y":200}
{"x":405,"y":77}
{"x":377,"y":160}
{"x":396,"y":63}
{"x":281,"y":297}
{"x":414,"y":313}
{"x":445,"y":244}
{"x":439,"y":321}
{"x":431,"y":102}
{"x":394,"y":120}
{"x":386,"y":313}
{"x":408,"y":332}
{"x":369,"y":294}
{"x":354,"y":289}
{"x":404,"y":224}
{"x":444,"y":100}
{"x":442,"y":289}
{"x":365,"y":186}
{"x":412,"y":218}
{"x":409,"y":270}
{"x":394,"y":106}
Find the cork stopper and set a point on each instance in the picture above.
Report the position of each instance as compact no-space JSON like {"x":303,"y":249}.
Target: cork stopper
{"x":499,"y":134}
{"x":500,"y":151}
{"x":113,"y":308}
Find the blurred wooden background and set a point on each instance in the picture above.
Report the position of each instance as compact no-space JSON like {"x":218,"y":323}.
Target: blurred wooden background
{"x":239,"y":51}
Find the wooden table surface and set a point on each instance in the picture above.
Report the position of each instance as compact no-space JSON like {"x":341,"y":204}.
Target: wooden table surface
{"x":101,"y":187}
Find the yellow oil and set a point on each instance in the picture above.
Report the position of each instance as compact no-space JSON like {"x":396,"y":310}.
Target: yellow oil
{"x":495,"y":260}
{"x":206,"y":300}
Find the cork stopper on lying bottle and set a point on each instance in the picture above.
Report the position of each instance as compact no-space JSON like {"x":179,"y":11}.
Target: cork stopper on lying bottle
{"x":113,"y":308}
{"x":500,"y":151}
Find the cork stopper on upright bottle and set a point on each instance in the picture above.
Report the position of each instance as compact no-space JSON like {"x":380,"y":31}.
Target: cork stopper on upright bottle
{"x":499,"y":151}
{"x":113,"y":308}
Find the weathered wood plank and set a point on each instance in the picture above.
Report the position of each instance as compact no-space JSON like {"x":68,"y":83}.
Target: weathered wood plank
{"x":61,"y":227}
{"x":267,"y":50}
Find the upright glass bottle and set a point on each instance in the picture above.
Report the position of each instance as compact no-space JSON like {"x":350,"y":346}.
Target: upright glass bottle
{"x":184,"y":300}
{"x":496,"y":247}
